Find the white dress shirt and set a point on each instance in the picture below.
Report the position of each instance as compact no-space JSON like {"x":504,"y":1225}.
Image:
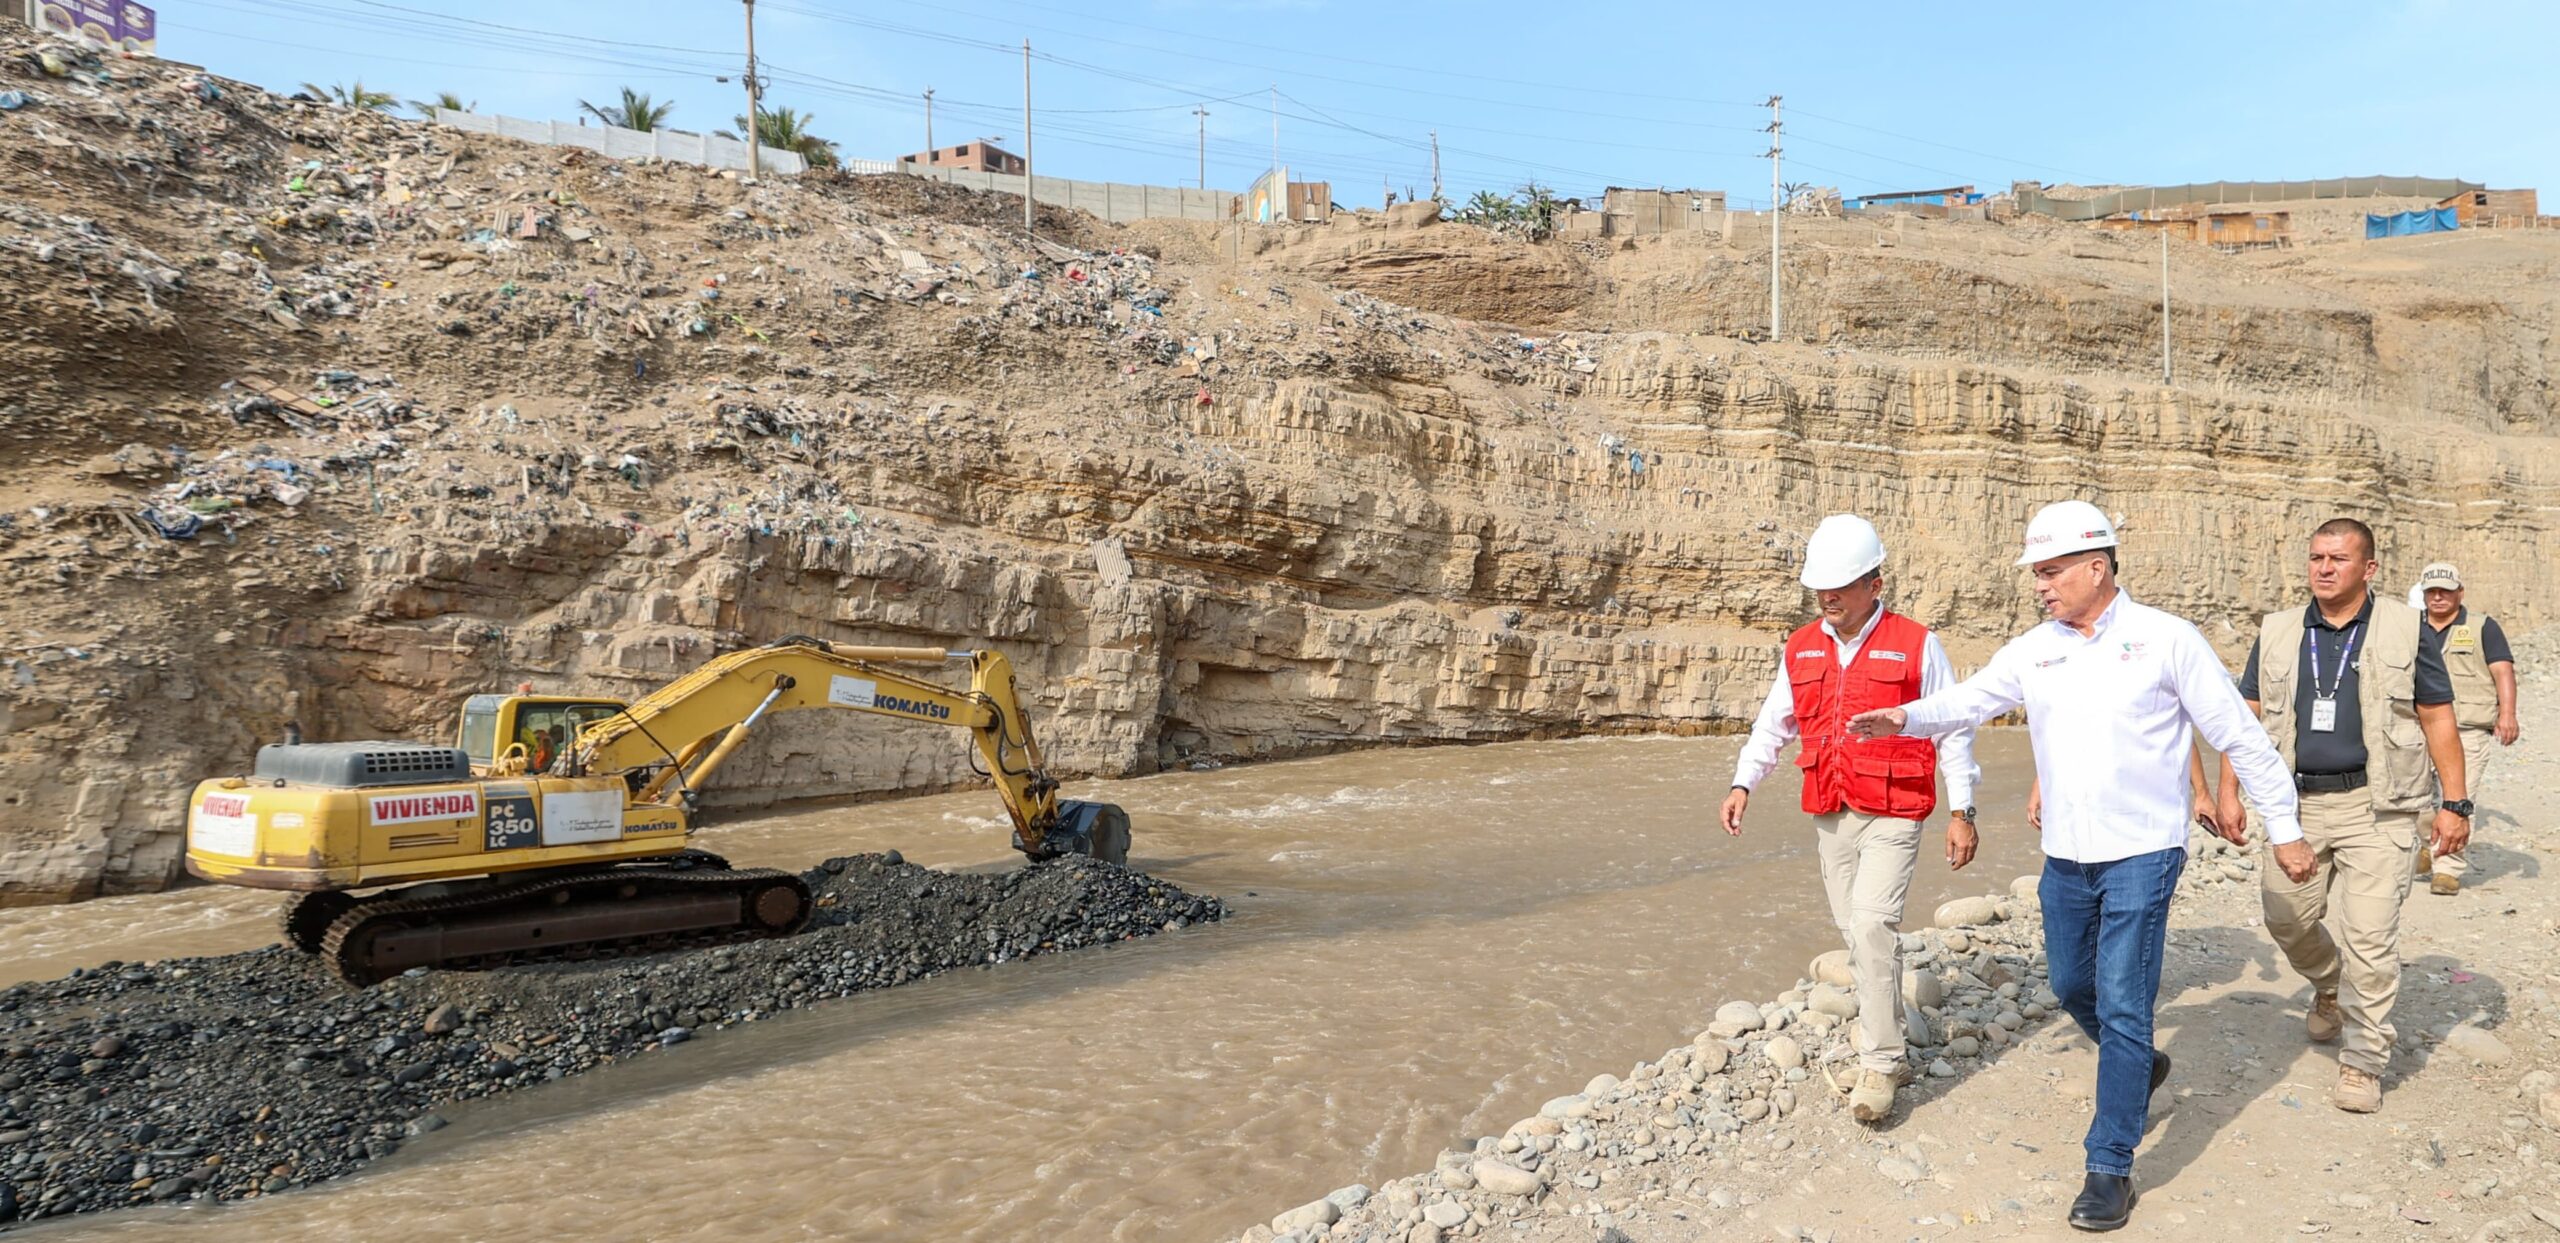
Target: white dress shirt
{"x":1775,"y":727}
{"x":2110,"y":714}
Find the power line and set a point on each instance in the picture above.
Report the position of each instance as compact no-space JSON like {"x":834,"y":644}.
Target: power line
{"x":670,"y":61}
{"x":945,"y":8}
{"x":1352,"y":162}
{"x":523,"y":40}
{"x":897,"y":28}
{"x":371,"y":55}
{"x":1950,"y":147}
{"x":1500,"y":79}
{"x":519,"y":30}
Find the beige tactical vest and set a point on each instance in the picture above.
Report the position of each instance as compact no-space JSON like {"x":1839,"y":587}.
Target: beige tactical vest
{"x":2397,"y":770}
{"x":2475,"y":696}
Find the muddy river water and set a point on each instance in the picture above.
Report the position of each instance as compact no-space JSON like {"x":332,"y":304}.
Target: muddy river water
{"x":1426,"y":944}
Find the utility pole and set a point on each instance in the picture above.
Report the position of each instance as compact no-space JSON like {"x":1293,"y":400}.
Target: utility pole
{"x":1202,"y":111}
{"x":1275,"y":135}
{"x":755,"y":114}
{"x":1777,"y":208}
{"x":2167,"y":374}
{"x":1435,"y":166}
{"x":1026,"y":137}
{"x":928,"y":125}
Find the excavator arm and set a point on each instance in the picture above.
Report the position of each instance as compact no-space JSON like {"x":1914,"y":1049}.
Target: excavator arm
{"x":669,"y":744}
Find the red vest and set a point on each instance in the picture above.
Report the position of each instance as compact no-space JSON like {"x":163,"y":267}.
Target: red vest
{"x":1878,"y":776}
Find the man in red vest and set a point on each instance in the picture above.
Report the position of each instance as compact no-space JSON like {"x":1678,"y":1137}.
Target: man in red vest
{"x":1867,"y":797}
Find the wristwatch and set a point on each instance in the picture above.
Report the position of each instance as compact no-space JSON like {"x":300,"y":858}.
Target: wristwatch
{"x":2458,"y":806}
{"x":1963,"y":813}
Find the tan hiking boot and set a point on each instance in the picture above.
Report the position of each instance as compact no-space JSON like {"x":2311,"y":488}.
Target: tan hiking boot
{"x":1872,"y":1099}
{"x":2358,"y":1092}
{"x":2426,"y":865}
{"x":2324,"y":1022}
{"x":2444,"y":886}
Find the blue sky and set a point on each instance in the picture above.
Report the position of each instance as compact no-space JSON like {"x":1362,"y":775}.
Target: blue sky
{"x":1877,"y":96}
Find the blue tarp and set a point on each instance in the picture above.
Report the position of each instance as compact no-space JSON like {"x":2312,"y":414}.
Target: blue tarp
{"x":2404,"y":224}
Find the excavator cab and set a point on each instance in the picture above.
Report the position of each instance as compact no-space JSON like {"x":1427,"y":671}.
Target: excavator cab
{"x":535,"y":728}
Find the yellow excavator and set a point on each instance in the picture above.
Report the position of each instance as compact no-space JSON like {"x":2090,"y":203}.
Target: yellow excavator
{"x":557,"y":824}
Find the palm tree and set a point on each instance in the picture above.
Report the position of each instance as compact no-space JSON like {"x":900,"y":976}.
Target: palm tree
{"x":787,"y":130}
{"x":355,"y":96}
{"x":446,"y":100}
{"x":634,"y":112}
{"x":1488,"y":208}
{"x":1538,"y":208}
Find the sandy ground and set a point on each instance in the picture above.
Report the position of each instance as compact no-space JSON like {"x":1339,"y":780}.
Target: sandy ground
{"x":2243,"y":1142}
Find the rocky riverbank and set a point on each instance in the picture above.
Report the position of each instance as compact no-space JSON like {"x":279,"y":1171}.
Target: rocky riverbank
{"x":1738,"y":1135}
{"x":248,"y":1074}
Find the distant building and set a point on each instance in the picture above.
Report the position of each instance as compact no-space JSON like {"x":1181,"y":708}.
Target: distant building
{"x":1626,"y":212}
{"x":2480,"y":209}
{"x":2222,"y":230}
{"x":974,"y":157}
{"x":1949,"y":196}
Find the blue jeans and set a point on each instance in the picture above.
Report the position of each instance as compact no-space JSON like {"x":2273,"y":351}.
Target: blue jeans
{"x":2104,"y":928}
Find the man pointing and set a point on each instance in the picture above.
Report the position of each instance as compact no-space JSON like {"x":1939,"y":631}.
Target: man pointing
{"x":2114,"y":692}
{"x":1867,"y":799}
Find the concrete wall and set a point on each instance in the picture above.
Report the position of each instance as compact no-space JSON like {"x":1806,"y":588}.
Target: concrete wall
{"x":1118,"y":202}
{"x":2156,"y":198}
{"x":708,"y":150}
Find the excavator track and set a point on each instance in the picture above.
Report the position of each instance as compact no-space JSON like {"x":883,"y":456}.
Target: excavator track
{"x":583,"y":914}
{"x":306,"y":917}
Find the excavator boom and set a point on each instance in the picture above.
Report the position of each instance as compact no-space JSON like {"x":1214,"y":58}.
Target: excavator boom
{"x":709,"y":711}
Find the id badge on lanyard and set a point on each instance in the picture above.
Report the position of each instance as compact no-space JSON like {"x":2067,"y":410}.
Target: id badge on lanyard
{"x":2324,"y":703}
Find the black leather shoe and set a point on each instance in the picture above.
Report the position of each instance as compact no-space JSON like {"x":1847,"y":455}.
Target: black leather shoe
{"x":2105,"y":1203}
{"x":2159,"y":1069}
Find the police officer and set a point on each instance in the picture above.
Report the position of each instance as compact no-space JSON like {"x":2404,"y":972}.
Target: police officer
{"x":1867,"y":799}
{"x":2115,"y":692}
{"x":2357,"y":705}
{"x":2483,"y":670}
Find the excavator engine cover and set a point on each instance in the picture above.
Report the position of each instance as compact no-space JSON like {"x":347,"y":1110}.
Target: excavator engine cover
{"x":1097,"y":829}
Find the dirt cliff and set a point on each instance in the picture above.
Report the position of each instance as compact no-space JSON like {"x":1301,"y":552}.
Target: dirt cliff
{"x":333,"y":418}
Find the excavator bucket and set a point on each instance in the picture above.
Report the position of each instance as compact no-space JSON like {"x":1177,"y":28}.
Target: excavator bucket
{"x":1097,"y":829}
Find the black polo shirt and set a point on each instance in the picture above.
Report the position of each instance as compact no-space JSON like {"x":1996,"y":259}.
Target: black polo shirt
{"x":2493,"y":641}
{"x":2341,"y":750}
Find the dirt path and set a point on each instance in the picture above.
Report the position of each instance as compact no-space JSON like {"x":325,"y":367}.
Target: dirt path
{"x":2243,"y":1142}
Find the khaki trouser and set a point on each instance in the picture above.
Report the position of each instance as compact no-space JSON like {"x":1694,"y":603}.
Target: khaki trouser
{"x":2360,"y":873}
{"x":2477,"y":744}
{"x":1866,"y":869}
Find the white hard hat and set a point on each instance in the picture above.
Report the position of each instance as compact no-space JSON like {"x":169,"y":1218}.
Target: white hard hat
{"x":2066,"y":527}
{"x":1844,"y":549}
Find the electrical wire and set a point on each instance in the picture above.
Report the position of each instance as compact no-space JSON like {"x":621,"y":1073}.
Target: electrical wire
{"x":1949,"y":147}
{"x":400,"y":60}
{"x":672,"y":62}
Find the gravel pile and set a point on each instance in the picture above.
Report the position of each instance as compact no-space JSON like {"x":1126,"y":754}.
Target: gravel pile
{"x":248,"y":1074}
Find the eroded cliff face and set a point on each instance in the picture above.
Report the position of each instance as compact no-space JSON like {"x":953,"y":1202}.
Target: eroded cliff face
{"x":2467,"y":333}
{"x":1212,"y":510}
